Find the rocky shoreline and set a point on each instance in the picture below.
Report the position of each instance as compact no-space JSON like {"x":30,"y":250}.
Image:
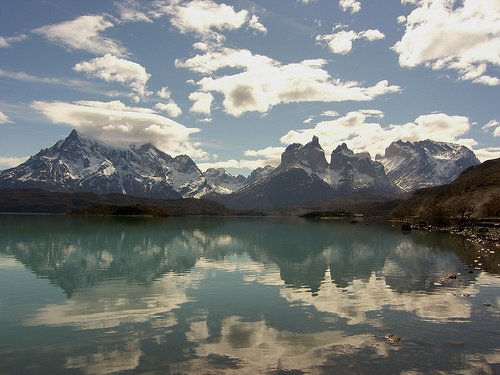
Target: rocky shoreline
{"x":481,"y":231}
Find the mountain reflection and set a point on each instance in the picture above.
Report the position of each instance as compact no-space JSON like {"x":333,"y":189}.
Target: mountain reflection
{"x":78,"y":253}
{"x":239,"y":295}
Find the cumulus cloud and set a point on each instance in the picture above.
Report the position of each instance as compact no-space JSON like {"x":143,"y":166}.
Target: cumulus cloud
{"x":270,"y":155}
{"x":495,"y":126}
{"x":236,"y":164}
{"x":262,"y":82}
{"x":171,"y":108}
{"x":116,"y":123}
{"x":361,"y":134}
{"x":83,"y":33}
{"x":255,"y":159}
{"x":350,"y":5}
{"x":450,"y":34}
{"x":7,"y":41}
{"x":205,"y":119}
{"x":340,"y":41}
{"x":4,"y":119}
{"x":202,"y":102}
{"x":329,"y":113}
{"x":113,"y":69}
{"x":254,"y":23}
{"x":11,"y":161}
{"x":364,"y":135}
{"x":164,"y":93}
{"x":487,"y":153}
{"x":132,"y":11}
{"x":205,"y":18}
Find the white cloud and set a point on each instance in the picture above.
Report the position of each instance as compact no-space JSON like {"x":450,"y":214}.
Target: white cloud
{"x":271,"y":155}
{"x":7,"y":41}
{"x":83,"y":33}
{"x":340,"y":42}
{"x":4,"y":119}
{"x":131,"y":11}
{"x":75,"y":84}
{"x":267,"y":156}
{"x":401,"y":19}
{"x":255,"y":24}
{"x":113,"y":69}
{"x":372,"y":113}
{"x":308,"y":120}
{"x":236,"y":164}
{"x":164,"y":92}
{"x":487,"y":153}
{"x":362,"y":135}
{"x":329,"y":113}
{"x":448,"y":34}
{"x":205,"y":119}
{"x":350,"y":5}
{"x":116,"y":123}
{"x":495,"y":125}
{"x":202,"y":17}
{"x":171,"y":108}
{"x":12,"y":161}
{"x":263,"y":82}
{"x":202,"y":102}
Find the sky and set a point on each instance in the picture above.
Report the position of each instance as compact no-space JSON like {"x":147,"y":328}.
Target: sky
{"x":233,"y":83}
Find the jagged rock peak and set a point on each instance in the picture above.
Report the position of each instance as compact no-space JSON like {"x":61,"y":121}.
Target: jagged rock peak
{"x":341,"y":147}
{"x":223,"y":182}
{"x":310,"y":156}
{"x":314,"y":142}
{"x":364,"y":155}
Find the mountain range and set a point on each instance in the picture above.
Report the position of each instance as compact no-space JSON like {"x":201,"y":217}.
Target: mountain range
{"x":82,"y":164}
{"x":415,"y":165}
{"x":475,"y":193}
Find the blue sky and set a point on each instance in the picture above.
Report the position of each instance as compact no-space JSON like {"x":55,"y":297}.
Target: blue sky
{"x":242,"y":79}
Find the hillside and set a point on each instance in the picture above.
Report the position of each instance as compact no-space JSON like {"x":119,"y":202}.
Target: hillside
{"x":475,"y":193}
{"x":41,"y":201}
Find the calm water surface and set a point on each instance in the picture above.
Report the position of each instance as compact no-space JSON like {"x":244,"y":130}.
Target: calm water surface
{"x":242,"y":296}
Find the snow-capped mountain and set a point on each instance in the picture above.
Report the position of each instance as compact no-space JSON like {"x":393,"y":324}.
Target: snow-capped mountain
{"x":305,"y":175}
{"x":222,"y":182}
{"x":310,"y":157}
{"x":78,"y":164}
{"x":358,"y":172}
{"x":82,"y":164}
{"x":415,"y":165}
{"x":259,"y":173}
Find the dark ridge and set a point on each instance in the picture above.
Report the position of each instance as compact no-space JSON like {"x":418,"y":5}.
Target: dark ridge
{"x":42,"y":201}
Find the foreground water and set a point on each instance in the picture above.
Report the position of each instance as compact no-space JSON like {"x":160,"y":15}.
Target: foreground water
{"x":209,"y":295}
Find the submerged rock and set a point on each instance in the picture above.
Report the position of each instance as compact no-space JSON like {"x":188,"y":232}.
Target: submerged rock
{"x":393,"y":339}
{"x":406,"y":228}
{"x":224,"y":361}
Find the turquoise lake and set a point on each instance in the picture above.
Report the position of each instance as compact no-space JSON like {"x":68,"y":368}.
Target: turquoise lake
{"x":242,"y":296}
